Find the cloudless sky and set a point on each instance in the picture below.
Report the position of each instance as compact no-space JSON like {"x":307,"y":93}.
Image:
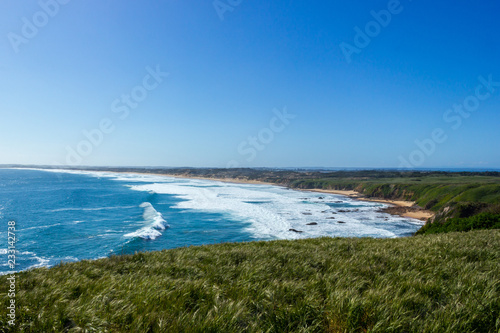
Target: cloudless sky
{"x":227,"y":79}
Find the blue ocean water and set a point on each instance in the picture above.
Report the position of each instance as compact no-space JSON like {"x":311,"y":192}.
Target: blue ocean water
{"x":66,"y":216}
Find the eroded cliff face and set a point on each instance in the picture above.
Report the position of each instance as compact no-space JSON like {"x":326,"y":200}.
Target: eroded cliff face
{"x":462,"y":210}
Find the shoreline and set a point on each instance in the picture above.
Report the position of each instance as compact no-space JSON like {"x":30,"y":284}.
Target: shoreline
{"x":223,"y":180}
{"x":396,"y":207}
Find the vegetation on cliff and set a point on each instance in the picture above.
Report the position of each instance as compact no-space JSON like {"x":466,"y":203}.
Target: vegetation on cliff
{"x":476,"y":222}
{"x":433,"y":283}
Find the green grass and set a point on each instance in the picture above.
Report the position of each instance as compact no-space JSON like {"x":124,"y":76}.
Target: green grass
{"x":476,"y":222}
{"x":432,"y":283}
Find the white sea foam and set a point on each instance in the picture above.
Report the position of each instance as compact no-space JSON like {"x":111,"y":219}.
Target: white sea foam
{"x":147,"y":233}
{"x":268,"y":211}
{"x":42,"y":262}
{"x":271,"y":211}
{"x":131,"y":177}
{"x":27,"y":256}
{"x":154,"y":222}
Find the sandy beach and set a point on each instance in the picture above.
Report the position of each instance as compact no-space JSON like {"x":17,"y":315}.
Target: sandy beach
{"x":401,"y":208}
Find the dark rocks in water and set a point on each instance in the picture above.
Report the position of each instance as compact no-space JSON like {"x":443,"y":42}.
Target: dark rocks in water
{"x":295,"y":230}
{"x":338,"y":201}
{"x":312,"y":223}
{"x":330,"y":218}
{"x":340,"y":221}
{"x":348,"y":211}
{"x":321,"y":198}
{"x":334,"y":213}
{"x":324,"y":211}
{"x":307,"y":213}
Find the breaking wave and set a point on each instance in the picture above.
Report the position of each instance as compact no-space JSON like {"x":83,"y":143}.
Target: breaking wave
{"x":154,"y":223}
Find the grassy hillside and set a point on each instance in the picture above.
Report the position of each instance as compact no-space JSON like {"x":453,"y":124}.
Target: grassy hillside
{"x":428,"y":191}
{"x":433,"y":283}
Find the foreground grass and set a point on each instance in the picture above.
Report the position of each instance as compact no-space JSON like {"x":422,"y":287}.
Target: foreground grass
{"x":433,"y":283}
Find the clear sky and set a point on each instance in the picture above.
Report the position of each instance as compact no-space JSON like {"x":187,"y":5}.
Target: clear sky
{"x":250,"y":83}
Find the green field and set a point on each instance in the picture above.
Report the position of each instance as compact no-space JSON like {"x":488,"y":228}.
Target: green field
{"x":432,"y":283}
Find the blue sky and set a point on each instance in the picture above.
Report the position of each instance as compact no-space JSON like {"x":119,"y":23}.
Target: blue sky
{"x":250,"y":83}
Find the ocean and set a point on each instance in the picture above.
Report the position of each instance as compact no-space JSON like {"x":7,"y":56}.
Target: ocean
{"x":64,"y":216}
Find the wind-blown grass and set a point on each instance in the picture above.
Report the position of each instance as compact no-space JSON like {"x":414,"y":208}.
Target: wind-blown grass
{"x":432,"y":283}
